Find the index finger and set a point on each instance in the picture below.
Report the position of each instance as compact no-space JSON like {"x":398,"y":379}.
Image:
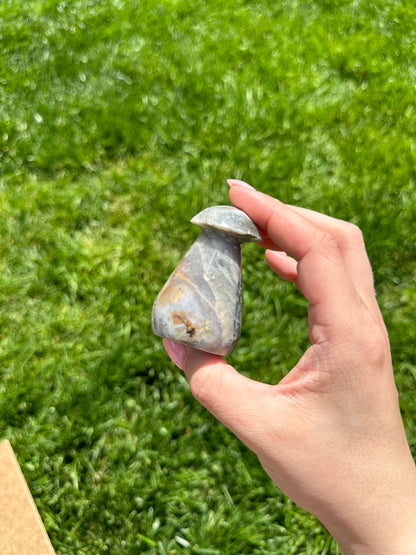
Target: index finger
{"x":323,"y":277}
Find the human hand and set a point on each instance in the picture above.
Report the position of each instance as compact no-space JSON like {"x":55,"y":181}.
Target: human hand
{"x":330,"y":434}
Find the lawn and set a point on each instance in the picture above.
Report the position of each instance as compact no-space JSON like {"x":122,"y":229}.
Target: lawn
{"x":119,"y":121}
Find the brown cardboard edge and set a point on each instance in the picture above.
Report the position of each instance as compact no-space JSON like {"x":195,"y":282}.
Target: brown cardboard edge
{"x":21,"y":528}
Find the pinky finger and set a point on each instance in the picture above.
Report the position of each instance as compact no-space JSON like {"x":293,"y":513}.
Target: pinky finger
{"x":283,"y":265}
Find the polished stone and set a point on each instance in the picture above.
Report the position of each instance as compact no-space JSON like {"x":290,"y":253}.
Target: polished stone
{"x":200,"y":304}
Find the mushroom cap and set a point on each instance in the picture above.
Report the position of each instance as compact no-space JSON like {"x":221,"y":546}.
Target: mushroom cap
{"x":229,"y":220}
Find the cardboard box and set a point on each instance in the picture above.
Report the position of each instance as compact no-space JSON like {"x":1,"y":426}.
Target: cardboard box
{"x":21,"y":528}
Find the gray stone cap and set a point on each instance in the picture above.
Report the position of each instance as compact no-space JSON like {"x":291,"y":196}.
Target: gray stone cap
{"x":229,"y":220}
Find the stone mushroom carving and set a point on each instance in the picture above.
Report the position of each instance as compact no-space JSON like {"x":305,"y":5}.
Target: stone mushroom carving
{"x":200,"y":304}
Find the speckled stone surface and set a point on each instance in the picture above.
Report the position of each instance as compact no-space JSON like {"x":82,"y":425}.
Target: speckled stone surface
{"x":200,"y":304}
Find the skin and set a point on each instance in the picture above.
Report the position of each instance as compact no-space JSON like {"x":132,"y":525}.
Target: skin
{"x":330,"y":434}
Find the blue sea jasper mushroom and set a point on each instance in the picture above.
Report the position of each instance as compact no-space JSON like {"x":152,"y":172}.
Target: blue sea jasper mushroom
{"x":200,"y":304}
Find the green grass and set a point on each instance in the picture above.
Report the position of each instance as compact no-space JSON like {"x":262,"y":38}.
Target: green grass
{"x":118,"y":122}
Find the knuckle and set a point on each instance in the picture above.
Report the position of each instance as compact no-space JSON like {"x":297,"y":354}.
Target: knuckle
{"x":345,"y":236}
{"x":354,"y":232}
{"x":375,"y":344}
{"x":198,"y":388}
{"x":204,"y":387}
{"x":328,"y":244}
{"x":377,"y":350}
{"x":351,"y":234}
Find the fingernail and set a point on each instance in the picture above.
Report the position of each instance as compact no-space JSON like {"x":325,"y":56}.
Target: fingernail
{"x":240,"y":183}
{"x":176,"y":352}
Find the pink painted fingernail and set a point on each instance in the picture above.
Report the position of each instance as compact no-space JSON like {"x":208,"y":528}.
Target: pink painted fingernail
{"x":240,"y":183}
{"x":176,"y":352}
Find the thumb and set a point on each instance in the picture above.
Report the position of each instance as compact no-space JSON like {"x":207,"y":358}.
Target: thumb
{"x":237,"y":401}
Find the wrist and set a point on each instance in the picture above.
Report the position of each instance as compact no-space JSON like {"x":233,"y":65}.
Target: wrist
{"x":385,"y":527}
{"x":402,"y":542}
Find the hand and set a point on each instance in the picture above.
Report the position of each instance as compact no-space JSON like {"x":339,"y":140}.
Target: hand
{"x":330,"y":434}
